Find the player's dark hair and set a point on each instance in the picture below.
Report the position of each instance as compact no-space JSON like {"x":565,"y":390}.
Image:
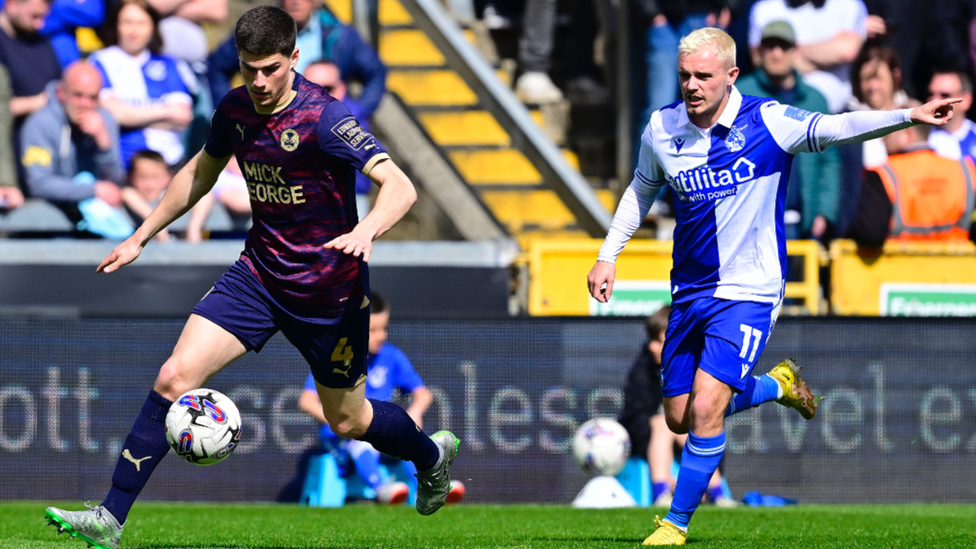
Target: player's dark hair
{"x":146,"y":154}
{"x":657,"y":323}
{"x":266,"y":30}
{"x":377,"y":304}
{"x":868,"y":54}
{"x":110,"y":29}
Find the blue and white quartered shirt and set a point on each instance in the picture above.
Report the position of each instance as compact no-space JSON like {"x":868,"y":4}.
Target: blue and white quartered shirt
{"x":144,"y":80}
{"x":956,"y":145}
{"x":729,"y":183}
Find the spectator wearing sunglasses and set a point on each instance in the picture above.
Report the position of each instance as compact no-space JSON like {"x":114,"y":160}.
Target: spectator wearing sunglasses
{"x":957,"y":139}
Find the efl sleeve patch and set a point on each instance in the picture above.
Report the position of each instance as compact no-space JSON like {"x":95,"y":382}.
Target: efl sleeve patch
{"x":350,"y":132}
{"x":796,"y":114}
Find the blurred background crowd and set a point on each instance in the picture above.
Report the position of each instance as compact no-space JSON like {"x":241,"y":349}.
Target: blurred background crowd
{"x":102,"y":100}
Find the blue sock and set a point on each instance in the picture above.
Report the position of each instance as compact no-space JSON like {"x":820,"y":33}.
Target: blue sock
{"x":367,"y":462}
{"x":759,"y":389}
{"x":714,"y":493}
{"x":144,"y":448}
{"x":658,"y":488}
{"x":698,"y":461}
{"x":395,"y":434}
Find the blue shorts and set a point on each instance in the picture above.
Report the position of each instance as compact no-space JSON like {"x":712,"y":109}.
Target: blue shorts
{"x":724,"y":338}
{"x":335,"y":351}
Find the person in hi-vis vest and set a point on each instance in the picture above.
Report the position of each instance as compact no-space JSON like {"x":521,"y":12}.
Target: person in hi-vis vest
{"x":916,"y":196}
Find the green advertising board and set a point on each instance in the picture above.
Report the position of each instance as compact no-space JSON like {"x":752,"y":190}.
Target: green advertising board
{"x":634,"y":298}
{"x":903,"y":299}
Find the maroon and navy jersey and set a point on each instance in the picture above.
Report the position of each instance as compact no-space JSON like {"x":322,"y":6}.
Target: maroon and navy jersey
{"x":300,"y":166}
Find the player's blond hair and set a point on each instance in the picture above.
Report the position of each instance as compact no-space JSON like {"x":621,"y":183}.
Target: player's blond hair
{"x":701,"y":38}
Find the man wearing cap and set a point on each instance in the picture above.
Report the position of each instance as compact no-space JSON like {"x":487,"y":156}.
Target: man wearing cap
{"x":814,"y":184}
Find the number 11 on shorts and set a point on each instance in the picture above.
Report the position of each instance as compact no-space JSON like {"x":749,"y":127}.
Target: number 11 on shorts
{"x":747,"y":333}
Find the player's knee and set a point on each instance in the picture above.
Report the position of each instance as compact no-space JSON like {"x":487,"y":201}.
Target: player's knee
{"x":705,"y":412}
{"x":174,"y":379}
{"x":348,"y":428}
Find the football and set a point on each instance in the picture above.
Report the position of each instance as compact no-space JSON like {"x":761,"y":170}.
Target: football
{"x":601,"y":446}
{"x":203,"y":426}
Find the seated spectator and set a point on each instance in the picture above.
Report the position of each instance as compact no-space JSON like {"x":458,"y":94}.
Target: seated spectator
{"x":230,"y":190}
{"x":917,"y":195}
{"x":814,"y":184}
{"x":10,"y":195}
{"x":148,"y":177}
{"x":877,"y":86}
{"x":388,"y":369}
{"x":643,"y":417}
{"x":146,"y":92}
{"x":29,"y":57}
{"x":180,"y":27}
{"x":327,"y":75}
{"x":320,"y":36}
{"x":65,"y":19}
{"x":829,"y":33}
{"x":71,"y":154}
{"x":957,"y":139}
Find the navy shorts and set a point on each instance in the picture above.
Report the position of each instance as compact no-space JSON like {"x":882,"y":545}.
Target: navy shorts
{"x":336,"y":350}
{"x":725,"y":338}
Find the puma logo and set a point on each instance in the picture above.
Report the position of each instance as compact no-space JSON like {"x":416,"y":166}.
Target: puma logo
{"x":343,"y":372}
{"x":127,"y":455}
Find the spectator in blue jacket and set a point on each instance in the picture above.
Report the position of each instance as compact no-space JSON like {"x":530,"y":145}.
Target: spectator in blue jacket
{"x":320,"y":36}
{"x":65,"y":18}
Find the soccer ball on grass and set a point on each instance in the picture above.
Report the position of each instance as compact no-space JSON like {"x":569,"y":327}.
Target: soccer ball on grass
{"x":601,"y":446}
{"x":203,"y":426}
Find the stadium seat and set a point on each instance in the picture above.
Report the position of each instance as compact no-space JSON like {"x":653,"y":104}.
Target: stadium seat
{"x":324,"y":485}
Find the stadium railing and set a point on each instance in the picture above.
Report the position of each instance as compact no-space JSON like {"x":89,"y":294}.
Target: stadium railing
{"x":558,"y":268}
{"x":903,"y":279}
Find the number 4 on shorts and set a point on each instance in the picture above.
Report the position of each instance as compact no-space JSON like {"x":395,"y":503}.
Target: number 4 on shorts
{"x":342,"y":352}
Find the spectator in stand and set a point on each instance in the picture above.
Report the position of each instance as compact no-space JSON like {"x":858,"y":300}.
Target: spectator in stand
{"x":327,"y":75}
{"x":829,"y":34}
{"x":320,"y":36}
{"x":10,"y":195}
{"x":146,"y":92}
{"x":71,"y":153}
{"x":814,"y":184}
{"x":877,"y":86}
{"x":917,"y":195}
{"x":180,"y":26}
{"x":29,"y":57}
{"x":643,"y":417}
{"x":957,"y":139}
{"x":64,"y":19}
{"x":148,"y":178}
{"x":670,"y":21}
{"x":230,"y":191}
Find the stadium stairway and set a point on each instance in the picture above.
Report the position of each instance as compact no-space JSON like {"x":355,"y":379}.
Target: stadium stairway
{"x":466,"y":134}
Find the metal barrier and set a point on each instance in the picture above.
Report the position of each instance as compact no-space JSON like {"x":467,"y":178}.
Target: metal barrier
{"x":558,"y":269}
{"x":903,"y":279}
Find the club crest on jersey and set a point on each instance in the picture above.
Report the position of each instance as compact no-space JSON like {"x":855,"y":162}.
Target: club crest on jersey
{"x":156,"y":70}
{"x":735,"y":140}
{"x":289,"y":140}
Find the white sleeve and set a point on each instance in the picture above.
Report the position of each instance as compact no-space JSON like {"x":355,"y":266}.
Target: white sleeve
{"x":860,"y":19}
{"x":797,"y":130}
{"x":755,"y":27}
{"x":635,"y":203}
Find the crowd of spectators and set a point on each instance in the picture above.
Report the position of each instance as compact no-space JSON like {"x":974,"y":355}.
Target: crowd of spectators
{"x":98,"y":132}
{"x":77,"y":118}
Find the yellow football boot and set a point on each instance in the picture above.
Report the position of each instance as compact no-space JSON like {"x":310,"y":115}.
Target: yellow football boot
{"x":666,"y":534}
{"x":796,"y":395}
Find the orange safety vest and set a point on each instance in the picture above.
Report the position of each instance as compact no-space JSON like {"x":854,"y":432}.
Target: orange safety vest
{"x":931,"y":196}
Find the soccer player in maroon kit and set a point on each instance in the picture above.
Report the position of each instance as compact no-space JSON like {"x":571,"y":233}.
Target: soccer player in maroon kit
{"x":303,"y":270}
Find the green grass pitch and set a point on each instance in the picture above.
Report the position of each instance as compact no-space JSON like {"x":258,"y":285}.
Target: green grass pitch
{"x":220,"y":526}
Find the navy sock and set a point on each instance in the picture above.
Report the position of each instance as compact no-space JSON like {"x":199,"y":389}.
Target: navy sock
{"x":395,"y":434}
{"x":758,"y":390}
{"x":699,"y":460}
{"x":144,"y":448}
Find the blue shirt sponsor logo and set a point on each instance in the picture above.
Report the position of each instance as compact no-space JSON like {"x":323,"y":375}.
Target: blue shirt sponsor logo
{"x":796,"y":114}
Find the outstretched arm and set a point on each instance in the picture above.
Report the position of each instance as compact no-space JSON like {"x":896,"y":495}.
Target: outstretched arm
{"x":188,"y":186}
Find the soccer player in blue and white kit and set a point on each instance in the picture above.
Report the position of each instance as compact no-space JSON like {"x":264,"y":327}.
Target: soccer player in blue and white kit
{"x":303,"y":269}
{"x":727,"y":159}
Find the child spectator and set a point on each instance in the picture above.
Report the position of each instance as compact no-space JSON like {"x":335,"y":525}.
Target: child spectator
{"x":149,"y":175}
